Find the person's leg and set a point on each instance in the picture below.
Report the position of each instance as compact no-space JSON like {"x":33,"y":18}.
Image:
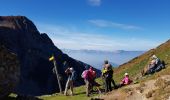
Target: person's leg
{"x":66,"y":87}
{"x":109,"y":84}
{"x":159,"y":67}
{"x":87,"y":87}
{"x":91,"y":86}
{"x":106,"y":89}
{"x":113,"y":82}
{"x":71,"y":87}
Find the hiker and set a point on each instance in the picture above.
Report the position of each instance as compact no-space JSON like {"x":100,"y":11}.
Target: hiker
{"x":93,"y":82}
{"x":155,"y":65}
{"x":88,"y":78}
{"x":107,"y":74}
{"x":71,"y":78}
{"x":107,"y":80}
{"x":126,"y":80}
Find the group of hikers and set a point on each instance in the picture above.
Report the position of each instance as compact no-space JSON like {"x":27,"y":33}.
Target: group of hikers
{"x":89,"y":76}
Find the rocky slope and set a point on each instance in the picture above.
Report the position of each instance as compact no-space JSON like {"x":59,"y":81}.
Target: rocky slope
{"x":155,"y":89}
{"x":21,"y":36}
{"x":9,"y":71}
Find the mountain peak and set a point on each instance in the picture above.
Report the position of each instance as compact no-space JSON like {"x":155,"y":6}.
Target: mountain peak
{"x":21,"y":23}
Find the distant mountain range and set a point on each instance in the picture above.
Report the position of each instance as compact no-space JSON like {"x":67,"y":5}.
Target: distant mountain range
{"x":98,"y":51}
{"x":97,"y":57}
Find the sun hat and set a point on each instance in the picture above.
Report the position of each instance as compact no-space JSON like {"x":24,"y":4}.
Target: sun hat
{"x":126,"y":74}
{"x":154,"y":56}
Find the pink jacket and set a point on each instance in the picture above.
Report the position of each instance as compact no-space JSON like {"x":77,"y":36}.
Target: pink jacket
{"x":126,"y":80}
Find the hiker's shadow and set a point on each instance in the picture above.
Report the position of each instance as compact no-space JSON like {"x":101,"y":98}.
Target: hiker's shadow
{"x":80,"y":93}
{"x":9,"y":98}
{"x":23,"y":97}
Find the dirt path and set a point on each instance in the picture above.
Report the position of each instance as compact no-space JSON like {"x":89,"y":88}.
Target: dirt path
{"x":135,"y":91}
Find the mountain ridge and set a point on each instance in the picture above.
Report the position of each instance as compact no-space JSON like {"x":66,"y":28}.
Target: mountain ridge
{"x":99,"y":51}
{"x":20,"y":36}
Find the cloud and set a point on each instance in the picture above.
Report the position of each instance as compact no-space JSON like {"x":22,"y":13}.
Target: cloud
{"x":67,"y":38}
{"x":105,"y":23}
{"x":94,"y":2}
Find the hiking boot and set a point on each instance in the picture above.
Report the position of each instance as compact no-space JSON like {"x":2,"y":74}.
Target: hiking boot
{"x":88,"y":95}
{"x":65,"y":94}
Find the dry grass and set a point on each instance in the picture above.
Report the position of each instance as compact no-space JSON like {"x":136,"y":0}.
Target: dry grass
{"x":163,"y":91}
{"x":150,"y":94}
{"x":126,"y":90}
{"x":161,"y":83}
{"x":141,"y":87}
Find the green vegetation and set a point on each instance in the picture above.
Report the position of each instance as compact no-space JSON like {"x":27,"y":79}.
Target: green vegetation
{"x":80,"y":94}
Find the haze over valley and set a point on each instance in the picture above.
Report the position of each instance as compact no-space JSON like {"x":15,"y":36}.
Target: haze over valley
{"x":96,"y":57}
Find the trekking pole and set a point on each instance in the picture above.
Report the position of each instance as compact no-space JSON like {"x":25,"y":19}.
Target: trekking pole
{"x":56,"y":71}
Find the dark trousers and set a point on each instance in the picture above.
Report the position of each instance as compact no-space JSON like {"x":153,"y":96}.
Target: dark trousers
{"x":108,"y":86}
{"x":114,"y":85}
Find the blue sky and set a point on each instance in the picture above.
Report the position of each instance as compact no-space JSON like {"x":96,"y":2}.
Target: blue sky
{"x":97,"y":24}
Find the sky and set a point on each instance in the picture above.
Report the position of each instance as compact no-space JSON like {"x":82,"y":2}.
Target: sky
{"x":97,"y":24}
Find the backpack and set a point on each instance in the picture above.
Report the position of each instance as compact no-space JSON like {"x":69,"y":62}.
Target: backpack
{"x":74,"y":75}
{"x":85,"y":74}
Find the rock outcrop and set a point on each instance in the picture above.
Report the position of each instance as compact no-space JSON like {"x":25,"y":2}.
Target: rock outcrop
{"x":9,"y":71}
{"x":21,"y":36}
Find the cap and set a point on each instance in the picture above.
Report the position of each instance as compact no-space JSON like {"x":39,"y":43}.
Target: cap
{"x":71,"y":69}
{"x":126,"y":74}
{"x":154,"y":56}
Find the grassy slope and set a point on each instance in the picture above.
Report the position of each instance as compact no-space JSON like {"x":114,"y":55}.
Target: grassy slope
{"x":79,"y":95}
{"x":135,"y":66}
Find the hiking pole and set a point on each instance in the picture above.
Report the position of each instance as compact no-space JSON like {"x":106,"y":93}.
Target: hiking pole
{"x":56,"y":71}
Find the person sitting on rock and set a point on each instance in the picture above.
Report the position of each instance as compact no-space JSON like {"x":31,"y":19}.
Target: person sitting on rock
{"x":126,"y":80}
{"x":155,"y":65}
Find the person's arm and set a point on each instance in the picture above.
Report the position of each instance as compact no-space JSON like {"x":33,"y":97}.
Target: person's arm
{"x":123,"y":81}
{"x":67,"y":70}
